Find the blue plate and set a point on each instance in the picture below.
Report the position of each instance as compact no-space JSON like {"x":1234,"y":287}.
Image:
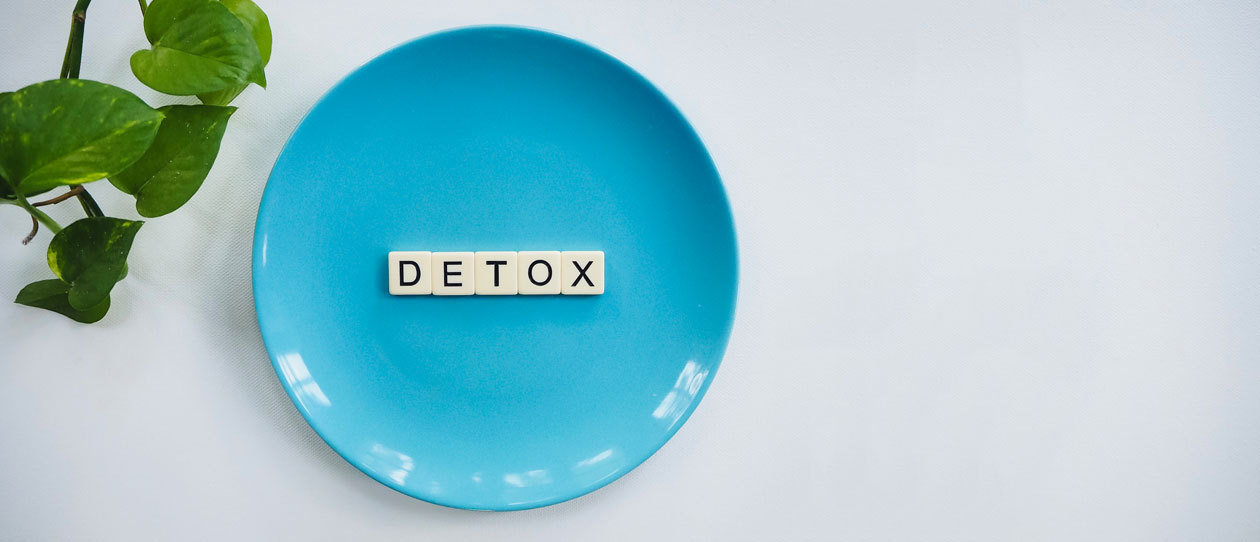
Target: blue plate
{"x":495,"y":138}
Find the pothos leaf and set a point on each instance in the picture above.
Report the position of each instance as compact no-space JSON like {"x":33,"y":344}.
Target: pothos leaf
{"x":256,"y":21}
{"x":259,"y":27}
{"x":173,"y":168}
{"x":53,"y":295}
{"x":70,"y":131}
{"x":90,"y":255}
{"x":199,"y":46}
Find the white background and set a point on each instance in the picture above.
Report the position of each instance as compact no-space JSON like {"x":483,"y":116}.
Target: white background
{"x":998,"y":269}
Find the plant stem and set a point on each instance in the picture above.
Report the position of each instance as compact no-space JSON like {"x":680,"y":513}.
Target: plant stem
{"x":34,"y":230}
{"x":39,"y":215}
{"x":70,"y":70}
{"x":72,"y":193}
{"x":85,"y":199}
{"x":74,"y":47}
{"x":143,"y":7}
{"x":89,"y":203}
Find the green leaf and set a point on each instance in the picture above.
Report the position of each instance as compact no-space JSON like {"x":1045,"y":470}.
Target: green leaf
{"x":90,"y":255}
{"x":173,"y":168}
{"x":52,"y":294}
{"x":256,"y":21}
{"x":260,"y":28}
{"x":222,"y":97}
{"x":71,"y":131}
{"x":199,"y":46}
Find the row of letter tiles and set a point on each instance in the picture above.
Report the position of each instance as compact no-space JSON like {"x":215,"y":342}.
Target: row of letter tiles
{"x":496,"y":273}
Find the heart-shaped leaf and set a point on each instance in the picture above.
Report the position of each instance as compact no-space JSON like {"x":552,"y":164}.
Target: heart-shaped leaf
{"x":90,"y":255}
{"x":179,"y":159}
{"x":71,"y":131}
{"x":199,"y":46}
{"x":53,"y":295}
{"x":260,"y":28}
{"x":256,"y":21}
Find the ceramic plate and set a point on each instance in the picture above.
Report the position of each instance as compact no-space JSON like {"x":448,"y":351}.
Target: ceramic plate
{"x":495,"y":138}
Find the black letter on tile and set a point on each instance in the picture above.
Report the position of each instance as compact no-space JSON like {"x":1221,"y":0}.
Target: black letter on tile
{"x":402,"y":266}
{"x":496,"y":265}
{"x":582,"y":274}
{"x":447,"y":274}
{"x":531,"y":272}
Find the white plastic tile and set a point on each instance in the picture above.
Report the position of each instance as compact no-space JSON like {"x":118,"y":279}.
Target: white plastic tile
{"x":583,"y":272}
{"x":409,"y":273}
{"x":495,"y":273}
{"x":453,"y":273}
{"x":539,"y":272}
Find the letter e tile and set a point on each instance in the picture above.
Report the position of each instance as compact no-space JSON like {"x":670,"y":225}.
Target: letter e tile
{"x":453,"y":273}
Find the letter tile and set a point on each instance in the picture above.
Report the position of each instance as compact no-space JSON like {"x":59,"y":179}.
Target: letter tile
{"x":409,"y":273}
{"x":496,"y":273}
{"x":539,"y":272}
{"x":453,"y":273}
{"x":583,"y":272}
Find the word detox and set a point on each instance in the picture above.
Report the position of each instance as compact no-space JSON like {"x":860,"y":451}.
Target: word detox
{"x":496,"y":273}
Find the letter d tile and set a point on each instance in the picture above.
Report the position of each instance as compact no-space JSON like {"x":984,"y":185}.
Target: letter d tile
{"x":409,"y":273}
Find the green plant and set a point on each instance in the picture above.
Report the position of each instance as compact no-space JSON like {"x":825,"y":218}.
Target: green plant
{"x":70,"y":132}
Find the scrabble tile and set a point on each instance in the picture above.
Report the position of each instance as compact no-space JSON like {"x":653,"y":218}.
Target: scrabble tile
{"x":453,"y":273}
{"x":539,"y":272}
{"x":409,"y":273}
{"x":583,"y":272}
{"x":495,"y":273}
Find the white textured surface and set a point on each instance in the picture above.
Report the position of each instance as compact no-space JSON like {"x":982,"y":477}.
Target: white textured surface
{"x":1030,"y":307}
